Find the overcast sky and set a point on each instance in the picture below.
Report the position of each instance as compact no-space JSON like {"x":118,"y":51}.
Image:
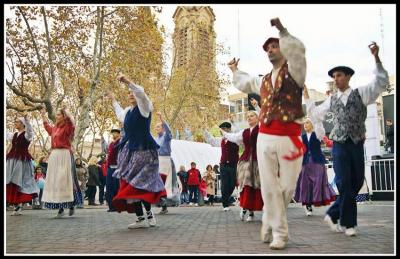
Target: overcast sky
{"x":332,"y":34}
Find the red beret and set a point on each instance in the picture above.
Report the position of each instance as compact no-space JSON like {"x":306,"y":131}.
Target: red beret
{"x":268,"y":41}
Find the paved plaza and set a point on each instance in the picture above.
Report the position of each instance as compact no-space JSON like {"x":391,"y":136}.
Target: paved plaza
{"x":193,"y":230}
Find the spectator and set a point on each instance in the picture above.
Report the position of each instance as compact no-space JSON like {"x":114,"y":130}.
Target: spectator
{"x":93,"y":181}
{"x":112,"y":158}
{"x":40,"y":180}
{"x":43,"y":163}
{"x":194,"y":179}
{"x":82,"y":175}
{"x":389,"y":136}
{"x":183,"y":182}
{"x":102,"y":177}
{"x":209,"y":177}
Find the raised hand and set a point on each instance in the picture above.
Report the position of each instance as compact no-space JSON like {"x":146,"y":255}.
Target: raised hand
{"x":159,"y":114}
{"x":43,"y":112}
{"x":375,"y":51}
{"x":374,"y":48}
{"x":254,"y":102}
{"x":122,"y":78}
{"x":233,"y":64}
{"x":277,"y":23}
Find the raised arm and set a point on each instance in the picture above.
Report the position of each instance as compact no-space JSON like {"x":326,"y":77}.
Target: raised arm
{"x":47,"y":126}
{"x":28,"y":128}
{"x":234,"y":123}
{"x":68,"y":116}
{"x":242,"y":80}
{"x":317,"y":113}
{"x":254,"y":103}
{"x":236,"y":137}
{"x":371,"y":91}
{"x":294,"y":52}
{"x":213,"y":141}
{"x":168,"y":133}
{"x":119,"y":112}
{"x":104,"y":145}
{"x":142,"y":100}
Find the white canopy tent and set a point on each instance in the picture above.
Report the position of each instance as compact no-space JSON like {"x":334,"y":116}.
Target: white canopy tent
{"x":184,"y":152}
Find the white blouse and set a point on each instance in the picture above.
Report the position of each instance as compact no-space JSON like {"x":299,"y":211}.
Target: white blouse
{"x":143,"y":102}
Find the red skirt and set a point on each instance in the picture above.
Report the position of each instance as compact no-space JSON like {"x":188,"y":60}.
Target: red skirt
{"x":13,"y":196}
{"x":251,"y":199}
{"x":127,"y":191}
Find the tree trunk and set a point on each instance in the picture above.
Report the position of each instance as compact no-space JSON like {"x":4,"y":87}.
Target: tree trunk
{"x":82,"y":122}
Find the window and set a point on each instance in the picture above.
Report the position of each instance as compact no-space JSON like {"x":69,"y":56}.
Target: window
{"x":238,"y":105}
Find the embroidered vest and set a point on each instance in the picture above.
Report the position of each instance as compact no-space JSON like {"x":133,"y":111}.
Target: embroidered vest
{"x":282,"y":102}
{"x":349,"y":120}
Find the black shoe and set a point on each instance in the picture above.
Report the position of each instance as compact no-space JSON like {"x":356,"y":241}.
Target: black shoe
{"x":71,"y":211}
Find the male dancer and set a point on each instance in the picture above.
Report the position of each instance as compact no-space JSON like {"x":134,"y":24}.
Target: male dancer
{"x":349,"y":108}
{"x":280,"y":128}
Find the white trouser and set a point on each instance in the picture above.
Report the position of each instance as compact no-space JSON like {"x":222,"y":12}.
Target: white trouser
{"x":276,"y":191}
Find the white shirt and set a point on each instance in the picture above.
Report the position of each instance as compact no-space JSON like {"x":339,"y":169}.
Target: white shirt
{"x":236,"y":137}
{"x":216,"y":141}
{"x":28,"y":132}
{"x":368,"y":94}
{"x":308,"y":136}
{"x":143,"y":102}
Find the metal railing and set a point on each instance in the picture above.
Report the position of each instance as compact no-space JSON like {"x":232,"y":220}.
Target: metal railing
{"x":379,"y":175}
{"x":382,"y":175}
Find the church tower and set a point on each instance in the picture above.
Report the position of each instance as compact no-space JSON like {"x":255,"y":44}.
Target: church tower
{"x":194,"y":36}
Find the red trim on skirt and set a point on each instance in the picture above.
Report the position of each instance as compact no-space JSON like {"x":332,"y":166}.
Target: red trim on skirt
{"x":13,"y":196}
{"x":322,"y":203}
{"x":127,"y":191}
{"x":251,"y":199}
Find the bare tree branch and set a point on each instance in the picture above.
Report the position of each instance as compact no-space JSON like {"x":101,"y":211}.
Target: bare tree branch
{"x":49,"y":49}
{"x":44,"y":81}
{"x":19,"y":93}
{"x":16,"y":108}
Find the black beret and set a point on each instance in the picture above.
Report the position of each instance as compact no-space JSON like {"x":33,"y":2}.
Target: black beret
{"x":116,"y":130}
{"x":225,"y":125}
{"x":344,"y":69}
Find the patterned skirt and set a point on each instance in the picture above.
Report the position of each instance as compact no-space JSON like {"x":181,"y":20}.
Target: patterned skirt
{"x":61,"y":189}
{"x":248,"y":177}
{"x":139,"y":178}
{"x":313,"y":187}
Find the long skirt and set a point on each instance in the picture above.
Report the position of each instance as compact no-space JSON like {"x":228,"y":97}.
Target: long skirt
{"x":21,"y":186}
{"x":169,"y":177}
{"x":313,"y":187}
{"x":248,"y":177}
{"x":62,"y":188}
{"x":139,"y":179}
